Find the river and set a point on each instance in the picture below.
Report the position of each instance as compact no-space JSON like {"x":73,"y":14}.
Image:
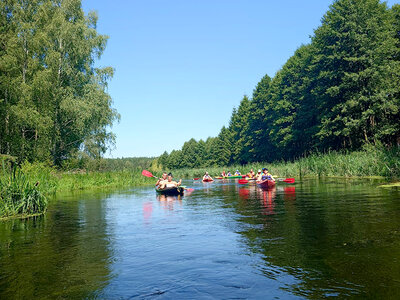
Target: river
{"x":314,"y":239}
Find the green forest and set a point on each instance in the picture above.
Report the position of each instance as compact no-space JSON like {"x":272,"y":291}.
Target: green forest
{"x":54,"y":103}
{"x":340,"y":92}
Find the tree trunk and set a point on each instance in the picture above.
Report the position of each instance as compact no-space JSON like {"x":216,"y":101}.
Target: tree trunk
{"x":7,"y":130}
{"x":25,"y":64}
{"x":22,"y":155}
{"x":365,"y":135}
{"x":55,"y":153}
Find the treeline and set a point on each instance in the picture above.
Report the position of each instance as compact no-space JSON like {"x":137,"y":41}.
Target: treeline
{"x":340,"y":91}
{"x":108,"y":164}
{"x":53,"y":101}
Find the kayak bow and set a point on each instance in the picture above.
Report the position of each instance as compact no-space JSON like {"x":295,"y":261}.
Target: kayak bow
{"x":171,"y":190}
{"x":266,"y":184}
{"x":208,"y":180}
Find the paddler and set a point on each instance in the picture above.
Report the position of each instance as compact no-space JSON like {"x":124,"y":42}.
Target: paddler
{"x":251,"y":174}
{"x":163,"y":178}
{"x":266,"y":175}
{"x":259,"y":175}
{"x":169,"y":183}
{"x":207,"y":177}
{"x":237,"y":173}
{"x":223,"y":174}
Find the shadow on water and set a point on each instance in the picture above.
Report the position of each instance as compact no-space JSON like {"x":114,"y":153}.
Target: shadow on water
{"x":64,"y":253}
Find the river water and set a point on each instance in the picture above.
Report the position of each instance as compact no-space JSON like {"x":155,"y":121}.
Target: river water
{"x":314,"y":239}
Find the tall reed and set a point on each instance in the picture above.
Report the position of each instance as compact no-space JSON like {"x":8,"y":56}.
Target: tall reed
{"x":370,"y":161}
{"x":18,"y":195}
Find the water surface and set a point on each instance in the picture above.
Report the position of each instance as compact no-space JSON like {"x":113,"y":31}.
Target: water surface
{"x":315,"y":239}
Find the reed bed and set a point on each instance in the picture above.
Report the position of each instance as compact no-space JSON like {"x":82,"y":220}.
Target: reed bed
{"x":371,"y":161}
{"x":24,"y":189}
{"x":19,"y":196}
{"x":104,"y":180}
{"x":52,"y":180}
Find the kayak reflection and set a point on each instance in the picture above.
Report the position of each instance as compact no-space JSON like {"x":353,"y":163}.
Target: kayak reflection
{"x":289,"y":193}
{"x":147,"y":211}
{"x":167,"y":201}
{"x":267,"y":198}
{"x":244,"y":193}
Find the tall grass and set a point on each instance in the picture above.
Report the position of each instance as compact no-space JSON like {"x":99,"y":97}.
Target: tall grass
{"x":23,"y":190}
{"x":19,"y":196}
{"x":371,"y":161}
{"x":96,"y":180}
{"x":52,"y":180}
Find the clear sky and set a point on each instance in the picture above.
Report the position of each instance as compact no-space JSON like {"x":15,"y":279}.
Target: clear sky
{"x":182,"y":65}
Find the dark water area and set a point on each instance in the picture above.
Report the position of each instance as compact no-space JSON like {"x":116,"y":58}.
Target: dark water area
{"x":314,"y":239}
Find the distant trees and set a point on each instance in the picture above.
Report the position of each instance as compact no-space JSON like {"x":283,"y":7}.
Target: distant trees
{"x":341,"y":91}
{"x":53,"y":101}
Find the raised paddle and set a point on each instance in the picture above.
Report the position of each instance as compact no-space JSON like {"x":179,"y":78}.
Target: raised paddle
{"x":148,"y":174}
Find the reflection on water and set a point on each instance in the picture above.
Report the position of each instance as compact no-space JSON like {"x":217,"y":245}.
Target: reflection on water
{"x":315,"y":239}
{"x":64,"y":253}
{"x":169,"y":202}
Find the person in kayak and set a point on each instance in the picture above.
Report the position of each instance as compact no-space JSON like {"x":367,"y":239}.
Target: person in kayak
{"x":251,"y":174}
{"x":229,"y":173}
{"x":259,"y":175}
{"x":163,"y":178}
{"x":169,"y":183}
{"x":207,"y":177}
{"x":223,"y":174}
{"x":237,"y":173}
{"x":266,"y":175}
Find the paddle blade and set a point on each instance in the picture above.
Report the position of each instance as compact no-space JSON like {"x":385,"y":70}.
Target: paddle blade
{"x":289,"y":180}
{"x":196,"y":178}
{"x":243,"y":181}
{"x":147,"y":173}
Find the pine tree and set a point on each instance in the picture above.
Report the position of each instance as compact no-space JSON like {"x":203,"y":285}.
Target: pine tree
{"x":355,"y":47}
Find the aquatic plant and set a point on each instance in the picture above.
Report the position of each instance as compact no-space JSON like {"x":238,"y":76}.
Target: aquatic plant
{"x":370,"y":161}
{"x":19,"y":196}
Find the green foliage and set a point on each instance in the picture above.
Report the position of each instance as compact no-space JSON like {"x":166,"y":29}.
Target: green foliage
{"x":52,"y":99}
{"x":84,"y":162}
{"x":340,"y":92}
{"x":357,"y":75}
{"x":23,"y":190}
{"x":19,"y":196}
{"x":370,"y":161}
{"x":101,"y":180}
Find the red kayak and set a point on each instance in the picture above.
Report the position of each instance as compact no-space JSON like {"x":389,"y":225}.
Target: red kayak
{"x":266,"y":184}
{"x":207,"y":180}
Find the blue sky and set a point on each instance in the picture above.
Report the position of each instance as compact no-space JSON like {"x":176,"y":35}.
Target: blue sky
{"x":181,"y":66}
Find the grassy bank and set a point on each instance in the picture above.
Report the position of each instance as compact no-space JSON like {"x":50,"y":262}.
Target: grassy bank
{"x":52,"y":180}
{"x":24,"y":190}
{"x":371,"y":161}
{"x":19,"y":195}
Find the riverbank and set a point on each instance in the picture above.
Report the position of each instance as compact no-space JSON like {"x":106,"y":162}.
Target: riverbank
{"x":52,"y":181}
{"x":370,"y":162}
{"x":25,"y":190}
